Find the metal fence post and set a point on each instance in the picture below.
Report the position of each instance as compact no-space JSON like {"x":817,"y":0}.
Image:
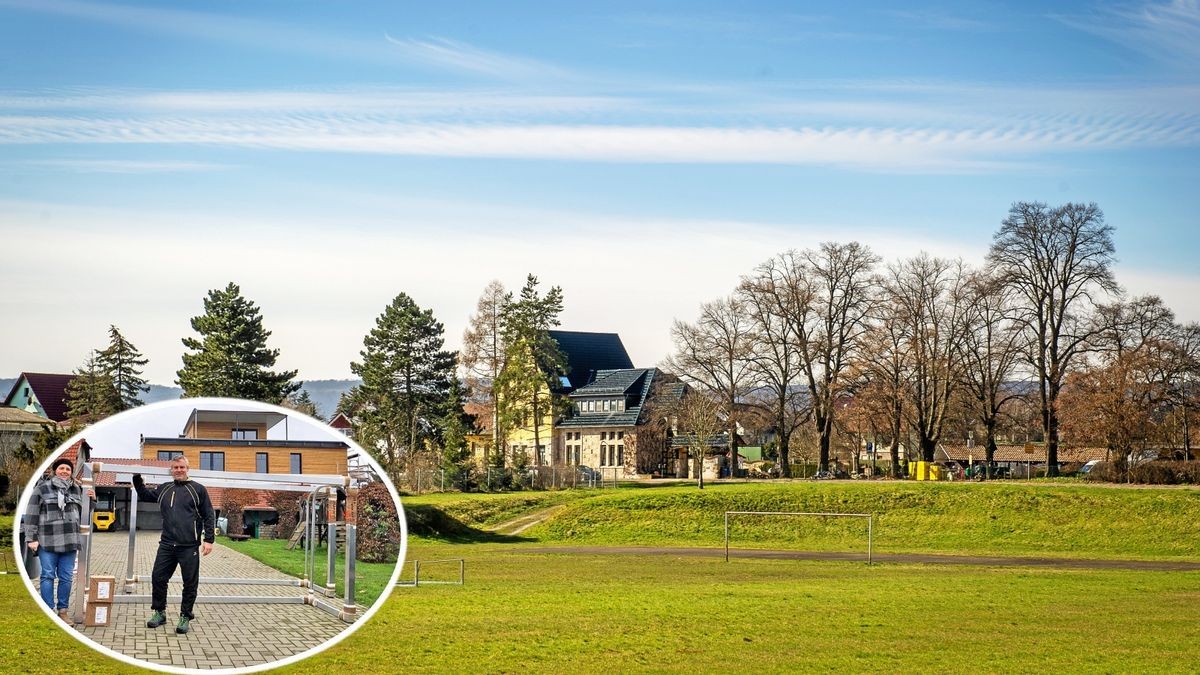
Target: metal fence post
{"x":331,"y":567}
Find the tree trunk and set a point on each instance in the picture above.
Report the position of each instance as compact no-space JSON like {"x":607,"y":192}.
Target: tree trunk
{"x":928,"y":448}
{"x":785,"y":462}
{"x":700,"y":472}
{"x":824,"y":427}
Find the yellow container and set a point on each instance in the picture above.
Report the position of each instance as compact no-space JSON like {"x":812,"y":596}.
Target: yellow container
{"x":922,"y":470}
{"x":935,"y":472}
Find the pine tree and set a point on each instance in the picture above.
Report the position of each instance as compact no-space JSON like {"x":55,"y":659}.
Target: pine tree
{"x":91,"y":395}
{"x":406,"y":380}
{"x":533,"y":364}
{"x":123,"y":364}
{"x":231,"y":357}
{"x":302,"y":402}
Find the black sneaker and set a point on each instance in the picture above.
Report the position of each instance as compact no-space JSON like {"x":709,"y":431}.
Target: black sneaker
{"x":156,"y":619}
{"x":185,"y":624}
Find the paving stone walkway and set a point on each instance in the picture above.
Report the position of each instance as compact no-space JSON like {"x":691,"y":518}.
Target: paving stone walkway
{"x":222,"y":635}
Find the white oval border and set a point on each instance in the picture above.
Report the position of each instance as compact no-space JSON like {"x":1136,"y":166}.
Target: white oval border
{"x":198,"y":402}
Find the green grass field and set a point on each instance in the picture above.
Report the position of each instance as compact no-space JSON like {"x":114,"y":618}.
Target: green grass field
{"x":521,"y":611}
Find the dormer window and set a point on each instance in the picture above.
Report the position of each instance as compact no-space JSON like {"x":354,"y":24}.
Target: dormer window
{"x":245,"y":434}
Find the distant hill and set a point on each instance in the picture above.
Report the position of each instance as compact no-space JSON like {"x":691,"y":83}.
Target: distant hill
{"x":160,"y":392}
{"x":326,"y":393}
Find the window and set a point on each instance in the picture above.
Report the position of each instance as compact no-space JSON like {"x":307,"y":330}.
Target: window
{"x":245,"y":434}
{"x":296,"y":465}
{"x":591,"y":406}
{"x":260,"y":462}
{"x":604,"y":435}
{"x":620,"y":434}
{"x":212,"y":461}
{"x":620,"y":404}
{"x":603,"y":454}
{"x":165,"y":455}
{"x":620,"y":455}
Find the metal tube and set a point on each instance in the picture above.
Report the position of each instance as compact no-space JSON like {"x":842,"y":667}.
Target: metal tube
{"x":351,"y":552}
{"x":218,"y":599}
{"x":133,"y":509}
{"x":330,"y":573}
{"x":145,"y":579}
{"x":726,"y":536}
{"x":84,"y":555}
{"x":870,"y":528}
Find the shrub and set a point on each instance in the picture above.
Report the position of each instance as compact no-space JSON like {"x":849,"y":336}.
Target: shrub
{"x":287,"y":505}
{"x":233,"y":504}
{"x":378,"y":525}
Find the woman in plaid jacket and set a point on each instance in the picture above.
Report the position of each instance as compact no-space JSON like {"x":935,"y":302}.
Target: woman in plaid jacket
{"x":52,"y":531}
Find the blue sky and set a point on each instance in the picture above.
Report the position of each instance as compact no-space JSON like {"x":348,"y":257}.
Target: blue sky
{"x":327,"y":156}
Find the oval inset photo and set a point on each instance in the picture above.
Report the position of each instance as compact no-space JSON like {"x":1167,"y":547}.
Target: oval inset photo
{"x":210,"y":534}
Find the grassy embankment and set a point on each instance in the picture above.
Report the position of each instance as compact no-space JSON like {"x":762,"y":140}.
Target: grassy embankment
{"x":1053,"y":520}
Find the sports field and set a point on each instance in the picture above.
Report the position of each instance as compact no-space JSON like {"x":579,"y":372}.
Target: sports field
{"x":559,"y":611}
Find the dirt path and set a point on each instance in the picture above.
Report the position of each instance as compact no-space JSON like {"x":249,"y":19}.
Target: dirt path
{"x":928,"y":558}
{"x":519,"y":525}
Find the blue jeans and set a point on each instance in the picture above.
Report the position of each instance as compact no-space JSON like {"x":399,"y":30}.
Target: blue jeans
{"x":62,"y":566}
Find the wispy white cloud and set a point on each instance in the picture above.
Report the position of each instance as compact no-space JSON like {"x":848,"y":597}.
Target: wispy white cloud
{"x":281,"y":36}
{"x":1167,"y":31}
{"x":123,"y":165}
{"x":456,"y":55}
{"x":873,"y":148}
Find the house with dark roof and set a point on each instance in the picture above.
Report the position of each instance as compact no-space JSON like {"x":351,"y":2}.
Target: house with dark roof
{"x":586,"y":354}
{"x":43,"y":394}
{"x":614,"y":427}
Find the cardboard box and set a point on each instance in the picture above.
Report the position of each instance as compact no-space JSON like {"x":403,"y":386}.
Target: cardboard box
{"x":101,"y":589}
{"x":98,"y":614}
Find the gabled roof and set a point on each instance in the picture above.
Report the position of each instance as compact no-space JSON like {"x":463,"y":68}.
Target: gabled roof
{"x":635,"y":383}
{"x":341,"y":421}
{"x":611,"y":383}
{"x":50,"y":390}
{"x":587,"y":353}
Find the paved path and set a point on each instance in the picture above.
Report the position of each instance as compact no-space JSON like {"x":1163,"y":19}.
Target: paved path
{"x":928,"y":558}
{"x":223,"y":635}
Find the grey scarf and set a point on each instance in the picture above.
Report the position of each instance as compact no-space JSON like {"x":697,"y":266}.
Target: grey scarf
{"x":61,"y":487}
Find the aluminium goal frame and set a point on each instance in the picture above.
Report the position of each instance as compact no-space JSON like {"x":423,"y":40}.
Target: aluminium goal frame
{"x":311,"y":485}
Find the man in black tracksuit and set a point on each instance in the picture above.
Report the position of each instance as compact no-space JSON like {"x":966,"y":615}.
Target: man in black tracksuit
{"x":187,"y":519}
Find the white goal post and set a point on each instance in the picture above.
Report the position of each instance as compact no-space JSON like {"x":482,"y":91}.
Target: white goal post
{"x":870,"y":524}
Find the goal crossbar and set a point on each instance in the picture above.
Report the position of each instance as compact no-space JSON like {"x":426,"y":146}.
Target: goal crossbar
{"x":869,"y":516}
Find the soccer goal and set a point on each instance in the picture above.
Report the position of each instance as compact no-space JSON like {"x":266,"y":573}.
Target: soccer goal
{"x":870,"y":524}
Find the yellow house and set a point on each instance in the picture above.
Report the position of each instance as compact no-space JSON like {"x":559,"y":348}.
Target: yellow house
{"x":586,"y":355}
{"x":248,"y":442}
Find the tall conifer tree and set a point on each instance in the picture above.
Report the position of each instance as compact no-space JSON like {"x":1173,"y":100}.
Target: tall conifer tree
{"x":123,"y":364}
{"x":231,"y":357}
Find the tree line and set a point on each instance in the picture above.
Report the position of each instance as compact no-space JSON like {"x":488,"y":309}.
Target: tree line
{"x":830,"y":341}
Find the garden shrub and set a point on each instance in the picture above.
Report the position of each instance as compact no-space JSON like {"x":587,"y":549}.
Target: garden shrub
{"x":233,"y":503}
{"x":287,"y":506}
{"x":378,"y":525}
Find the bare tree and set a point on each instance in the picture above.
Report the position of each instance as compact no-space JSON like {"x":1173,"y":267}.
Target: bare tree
{"x":992,"y":345}
{"x":1057,"y":260}
{"x":773,"y":296}
{"x":881,"y":388}
{"x":714,"y":355}
{"x":698,"y":418}
{"x":928,"y":294}
{"x":483,"y":353}
{"x":836,"y":282}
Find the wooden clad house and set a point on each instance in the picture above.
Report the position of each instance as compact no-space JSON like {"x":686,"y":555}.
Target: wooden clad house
{"x":246,"y":441}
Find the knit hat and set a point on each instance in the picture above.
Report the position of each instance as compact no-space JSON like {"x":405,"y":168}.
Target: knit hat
{"x":60,"y":461}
